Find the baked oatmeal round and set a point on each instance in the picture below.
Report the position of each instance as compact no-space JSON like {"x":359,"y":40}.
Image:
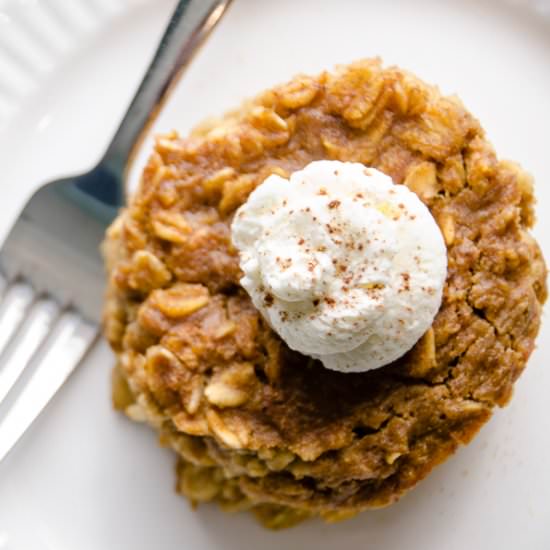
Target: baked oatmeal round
{"x":257,"y":425}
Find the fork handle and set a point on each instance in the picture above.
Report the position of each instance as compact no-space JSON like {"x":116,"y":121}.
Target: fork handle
{"x":191,"y":23}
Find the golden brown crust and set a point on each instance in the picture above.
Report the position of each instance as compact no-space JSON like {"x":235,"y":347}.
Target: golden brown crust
{"x":257,"y":425}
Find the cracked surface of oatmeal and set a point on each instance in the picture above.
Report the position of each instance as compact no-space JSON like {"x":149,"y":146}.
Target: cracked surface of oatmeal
{"x":197,"y":361}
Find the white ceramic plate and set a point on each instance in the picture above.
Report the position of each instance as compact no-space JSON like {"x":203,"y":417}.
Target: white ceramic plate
{"x":86,"y":478}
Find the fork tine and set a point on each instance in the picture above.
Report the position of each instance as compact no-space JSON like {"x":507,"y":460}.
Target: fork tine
{"x":69,"y":341}
{"x":33,"y":332}
{"x":13,"y":308}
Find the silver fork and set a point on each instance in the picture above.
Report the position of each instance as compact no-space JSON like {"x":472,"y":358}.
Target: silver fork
{"x":51,"y":272}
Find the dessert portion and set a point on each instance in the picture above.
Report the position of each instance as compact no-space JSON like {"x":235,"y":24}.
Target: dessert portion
{"x":344,"y":265}
{"x":256,"y":424}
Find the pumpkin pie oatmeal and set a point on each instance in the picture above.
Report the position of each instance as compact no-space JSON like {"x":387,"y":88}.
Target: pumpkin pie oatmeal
{"x":257,"y":425}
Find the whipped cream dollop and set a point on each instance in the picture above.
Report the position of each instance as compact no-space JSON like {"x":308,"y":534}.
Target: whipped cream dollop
{"x":346,"y":266}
